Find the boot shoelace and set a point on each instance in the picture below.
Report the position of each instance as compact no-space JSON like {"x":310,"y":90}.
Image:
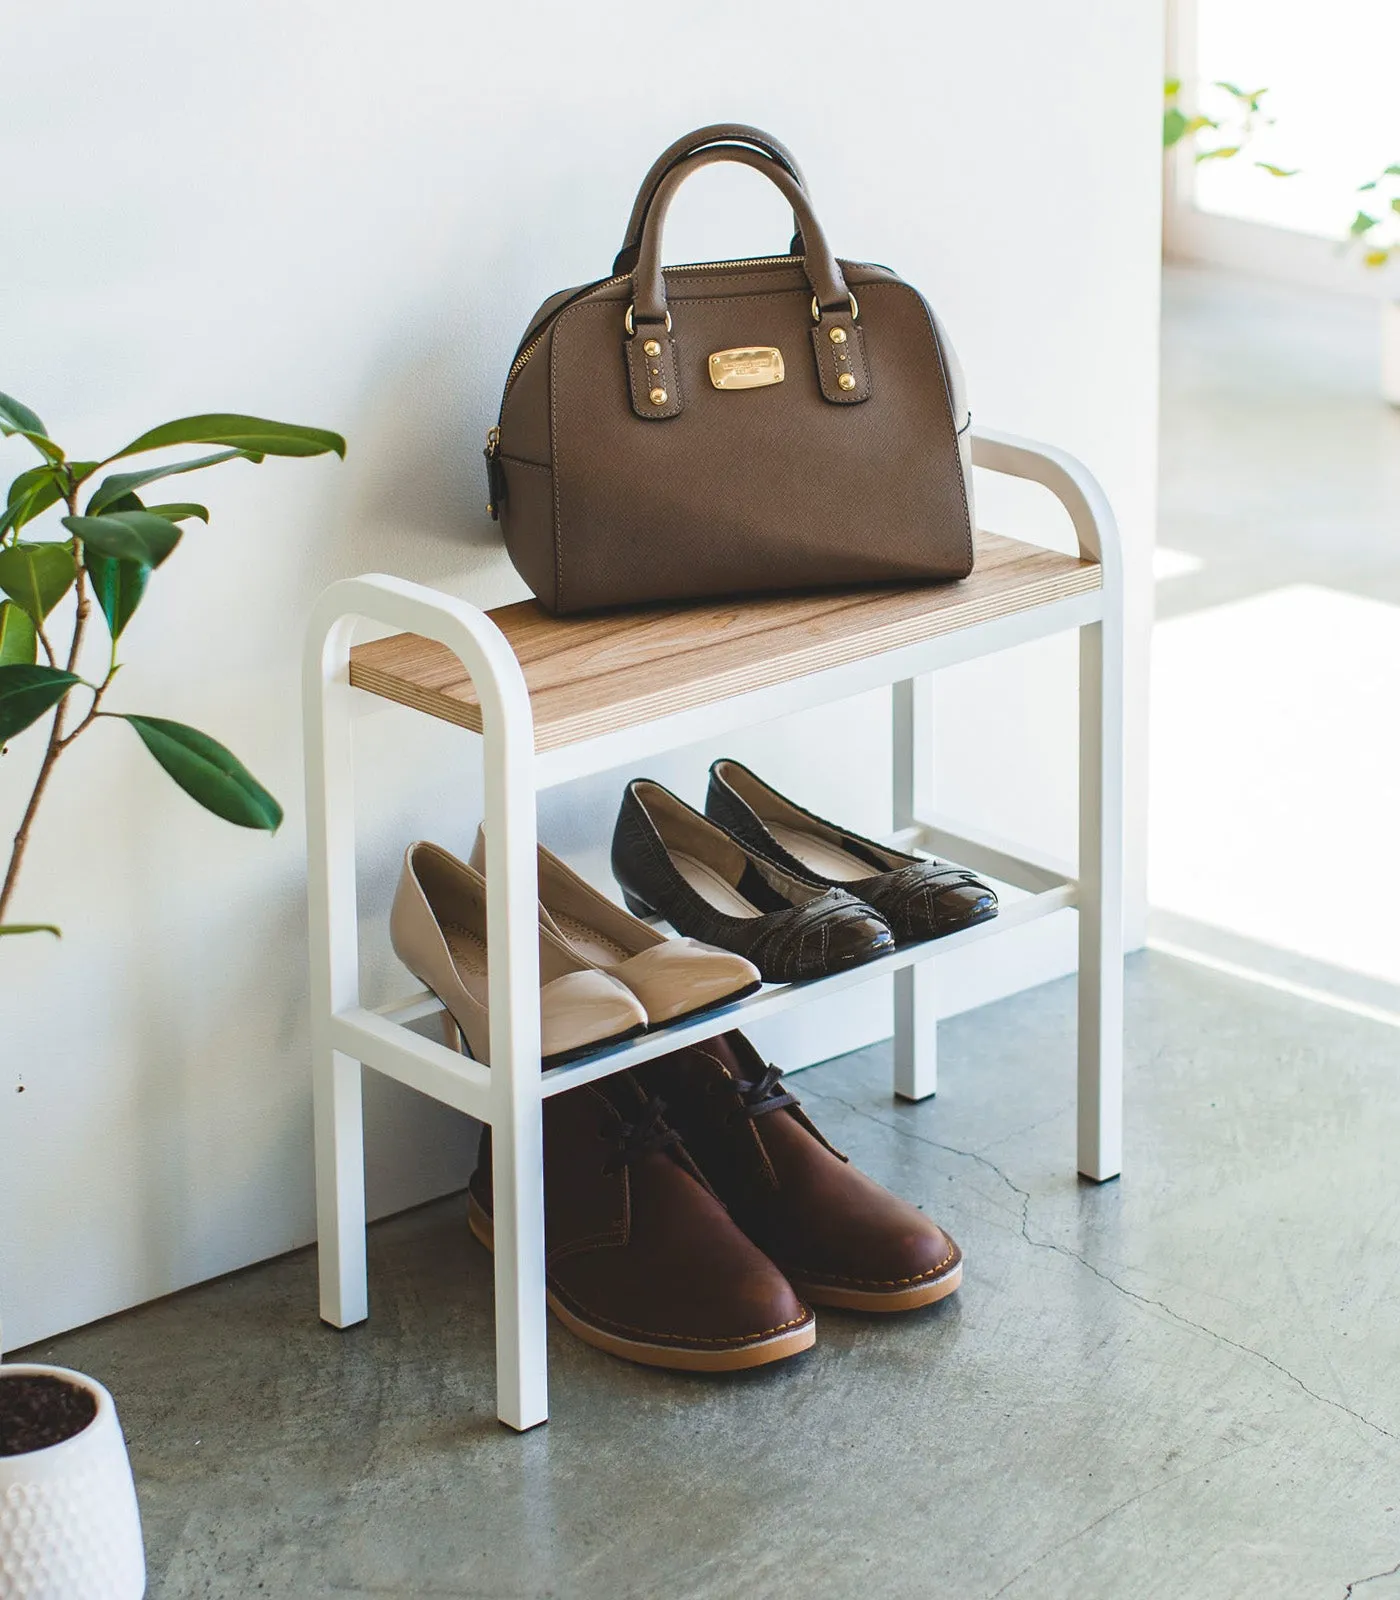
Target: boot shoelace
{"x":646,"y":1135}
{"x":765,"y":1095}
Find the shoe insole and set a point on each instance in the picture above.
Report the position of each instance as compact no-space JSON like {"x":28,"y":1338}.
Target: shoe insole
{"x":711,"y":887}
{"x":468,"y":952}
{"x":826,"y":860}
{"x":588,"y":942}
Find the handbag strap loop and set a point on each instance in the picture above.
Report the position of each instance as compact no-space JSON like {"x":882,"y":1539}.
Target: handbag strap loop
{"x":718,"y":134}
{"x":818,"y":263}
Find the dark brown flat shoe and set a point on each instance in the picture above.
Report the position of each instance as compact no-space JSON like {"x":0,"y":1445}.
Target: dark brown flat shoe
{"x":919,"y":898}
{"x":672,"y":861}
{"x":641,"y":1259}
{"x":839,"y":1238}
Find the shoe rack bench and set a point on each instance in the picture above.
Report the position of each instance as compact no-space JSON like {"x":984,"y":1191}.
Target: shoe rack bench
{"x":553,"y":699}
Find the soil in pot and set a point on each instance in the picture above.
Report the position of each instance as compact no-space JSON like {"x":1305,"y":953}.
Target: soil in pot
{"x":37,"y":1411}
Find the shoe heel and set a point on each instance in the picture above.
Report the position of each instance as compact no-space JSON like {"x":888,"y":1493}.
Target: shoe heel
{"x":454,"y":1037}
{"x":637,"y":906}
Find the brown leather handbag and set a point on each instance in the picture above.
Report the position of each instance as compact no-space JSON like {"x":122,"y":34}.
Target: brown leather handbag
{"x":732,"y":427}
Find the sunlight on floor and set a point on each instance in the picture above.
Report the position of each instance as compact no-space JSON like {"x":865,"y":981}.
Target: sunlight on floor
{"x":1275,"y":798}
{"x":1173,"y":564}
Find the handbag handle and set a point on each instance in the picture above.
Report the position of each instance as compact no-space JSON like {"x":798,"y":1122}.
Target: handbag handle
{"x":819,"y":264}
{"x":717,"y":134}
{"x":653,"y":364}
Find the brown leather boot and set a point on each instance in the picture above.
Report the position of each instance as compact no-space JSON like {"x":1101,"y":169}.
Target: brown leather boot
{"x":641,"y":1259}
{"x":840,"y":1239}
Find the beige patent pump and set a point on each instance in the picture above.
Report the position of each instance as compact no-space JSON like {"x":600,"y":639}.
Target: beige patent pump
{"x":672,"y":978}
{"x":438,"y":930}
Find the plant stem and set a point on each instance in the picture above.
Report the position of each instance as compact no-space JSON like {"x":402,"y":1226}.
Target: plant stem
{"x":57,"y":742}
{"x":51,"y":755}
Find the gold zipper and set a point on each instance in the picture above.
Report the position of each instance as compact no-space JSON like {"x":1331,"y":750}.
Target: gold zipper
{"x":745,"y":261}
{"x":521,"y":359}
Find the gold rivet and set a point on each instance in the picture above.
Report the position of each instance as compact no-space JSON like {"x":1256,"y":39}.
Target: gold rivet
{"x":846,"y":380}
{"x":838,"y":336}
{"x":652,"y":348}
{"x":658,"y":396}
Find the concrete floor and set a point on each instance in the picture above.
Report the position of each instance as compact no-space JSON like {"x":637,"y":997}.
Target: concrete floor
{"x":1184,"y":1384}
{"x":1180,"y":1384}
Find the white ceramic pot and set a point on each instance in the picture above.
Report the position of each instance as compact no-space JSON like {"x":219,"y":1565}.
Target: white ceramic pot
{"x":69,"y":1524}
{"x":1390,"y":350}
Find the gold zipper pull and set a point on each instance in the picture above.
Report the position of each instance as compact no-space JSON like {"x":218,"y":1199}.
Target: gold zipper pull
{"x":495,"y":478}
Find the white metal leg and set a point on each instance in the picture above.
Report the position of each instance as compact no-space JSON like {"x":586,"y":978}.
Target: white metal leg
{"x":915,"y":1017}
{"x":335,"y":978}
{"x":1100,"y":900}
{"x":517,"y":1149}
{"x":340,"y":1188}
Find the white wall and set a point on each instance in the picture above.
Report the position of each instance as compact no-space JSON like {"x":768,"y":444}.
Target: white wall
{"x":343,"y":214}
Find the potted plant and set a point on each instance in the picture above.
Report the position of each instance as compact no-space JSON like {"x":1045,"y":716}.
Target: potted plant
{"x":69,"y":1526}
{"x":1375,"y":230}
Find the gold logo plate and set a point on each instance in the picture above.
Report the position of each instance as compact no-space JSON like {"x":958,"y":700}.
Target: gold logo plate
{"x":751,"y":368}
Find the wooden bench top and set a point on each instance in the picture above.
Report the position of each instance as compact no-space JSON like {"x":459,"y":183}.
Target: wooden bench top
{"x":595,"y":674}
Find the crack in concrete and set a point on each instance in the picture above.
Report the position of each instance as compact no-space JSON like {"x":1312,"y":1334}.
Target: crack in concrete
{"x":1113,"y":1510}
{"x":1356,"y":1583}
{"x":1113,"y":1283}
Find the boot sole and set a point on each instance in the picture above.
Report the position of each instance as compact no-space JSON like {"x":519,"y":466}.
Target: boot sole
{"x":758,"y":1353}
{"x":924,"y":1294}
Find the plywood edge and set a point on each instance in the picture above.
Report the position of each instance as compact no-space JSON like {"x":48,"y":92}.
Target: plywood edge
{"x":433,"y":702}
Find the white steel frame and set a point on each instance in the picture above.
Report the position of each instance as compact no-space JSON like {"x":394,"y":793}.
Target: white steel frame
{"x":509,"y":1094}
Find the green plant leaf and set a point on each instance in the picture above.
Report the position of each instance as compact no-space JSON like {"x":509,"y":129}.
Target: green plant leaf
{"x":26,"y":693}
{"x":35,"y":478}
{"x":1276,"y":172}
{"x":119,"y":586}
{"x":32,"y":492}
{"x":256,"y":435}
{"x":180,"y":511}
{"x":29,"y":927}
{"x":19,"y":642}
{"x":37,"y":576}
{"x":1361,"y":223}
{"x":121,"y":484}
{"x":127,"y":535}
{"x":1174,"y":126}
{"x":45,"y":446}
{"x":209,"y":773}
{"x":1222,"y":152}
{"x":1171,"y":88}
{"x":18,"y":418}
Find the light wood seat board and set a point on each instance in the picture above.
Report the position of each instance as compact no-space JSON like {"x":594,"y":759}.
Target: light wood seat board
{"x":592,"y":675}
